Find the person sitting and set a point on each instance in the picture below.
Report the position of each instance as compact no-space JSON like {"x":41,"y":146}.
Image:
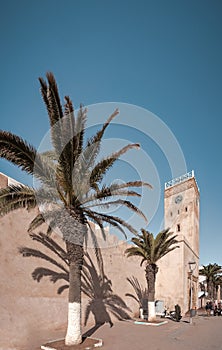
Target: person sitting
{"x":215,"y":310}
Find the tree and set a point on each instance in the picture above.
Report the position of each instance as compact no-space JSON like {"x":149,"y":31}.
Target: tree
{"x":151,"y":250}
{"x":70,"y":191}
{"x":210,"y":271}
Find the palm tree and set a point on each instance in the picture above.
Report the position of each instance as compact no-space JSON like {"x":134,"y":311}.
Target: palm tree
{"x":210,"y":271}
{"x":151,"y":250}
{"x":70,"y":192}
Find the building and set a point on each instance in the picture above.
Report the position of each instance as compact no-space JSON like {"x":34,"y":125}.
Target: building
{"x":27,"y":307}
{"x":177,"y":279}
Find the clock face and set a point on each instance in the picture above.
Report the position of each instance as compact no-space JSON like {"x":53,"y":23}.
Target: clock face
{"x":178,"y":199}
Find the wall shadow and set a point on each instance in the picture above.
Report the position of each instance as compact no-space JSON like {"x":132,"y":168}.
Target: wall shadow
{"x":141,"y":294}
{"x":102,"y":301}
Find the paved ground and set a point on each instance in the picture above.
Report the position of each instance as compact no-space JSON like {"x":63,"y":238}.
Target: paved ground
{"x":204,"y":334}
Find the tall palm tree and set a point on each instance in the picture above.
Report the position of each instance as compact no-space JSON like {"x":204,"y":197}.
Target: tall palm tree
{"x":151,"y":250}
{"x":210,"y":271}
{"x":70,"y":192}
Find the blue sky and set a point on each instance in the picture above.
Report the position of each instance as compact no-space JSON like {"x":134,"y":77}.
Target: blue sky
{"x":163,"y":56}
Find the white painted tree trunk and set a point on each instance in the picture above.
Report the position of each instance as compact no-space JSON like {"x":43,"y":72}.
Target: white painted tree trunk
{"x":151,"y":311}
{"x":74,"y":331}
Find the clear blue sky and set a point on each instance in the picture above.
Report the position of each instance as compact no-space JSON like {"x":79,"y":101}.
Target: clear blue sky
{"x":164,"y":56}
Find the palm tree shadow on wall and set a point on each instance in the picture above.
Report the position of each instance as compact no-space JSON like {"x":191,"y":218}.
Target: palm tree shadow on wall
{"x":141,"y":294}
{"x":102,"y":301}
{"x":95,"y":284}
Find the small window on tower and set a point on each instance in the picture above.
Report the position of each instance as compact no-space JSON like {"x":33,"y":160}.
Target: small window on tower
{"x":178,"y":212}
{"x":178,"y":227}
{"x":171,"y":214}
{"x":186,"y":209}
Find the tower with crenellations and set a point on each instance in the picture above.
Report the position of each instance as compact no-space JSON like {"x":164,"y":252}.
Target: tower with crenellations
{"x":175,"y":282}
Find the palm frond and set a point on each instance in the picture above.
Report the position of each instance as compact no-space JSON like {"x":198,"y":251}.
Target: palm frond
{"x":105,"y":164}
{"x":51,"y":98}
{"x":79,"y":132}
{"x":98,"y":137}
{"x":50,"y":155}
{"x":94,"y":143}
{"x":164,"y":243}
{"x":59,"y":129}
{"x":16,"y":196}
{"x":66,"y":161}
{"x":112,"y":220}
{"x":152,"y":249}
{"x":100,"y":219}
{"x":135,"y":251}
{"x":118,"y":202}
{"x":131,"y":184}
{"x":14,"y":149}
{"x":104,"y":193}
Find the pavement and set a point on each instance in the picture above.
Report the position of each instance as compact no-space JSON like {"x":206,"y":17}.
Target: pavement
{"x":205,"y":333}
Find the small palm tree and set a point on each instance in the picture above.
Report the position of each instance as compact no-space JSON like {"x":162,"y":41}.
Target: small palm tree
{"x":210,"y":271}
{"x":151,"y":250}
{"x":70,"y":192}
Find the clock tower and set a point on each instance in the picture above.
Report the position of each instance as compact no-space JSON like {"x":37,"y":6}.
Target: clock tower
{"x":181,"y":215}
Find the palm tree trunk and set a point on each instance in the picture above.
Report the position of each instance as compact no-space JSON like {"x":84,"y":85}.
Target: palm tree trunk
{"x":74,"y":331}
{"x":151,"y":271}
{"x":210,"y":289}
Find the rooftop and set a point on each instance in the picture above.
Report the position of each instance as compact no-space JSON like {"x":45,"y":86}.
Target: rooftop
{"x":180,"y":179}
